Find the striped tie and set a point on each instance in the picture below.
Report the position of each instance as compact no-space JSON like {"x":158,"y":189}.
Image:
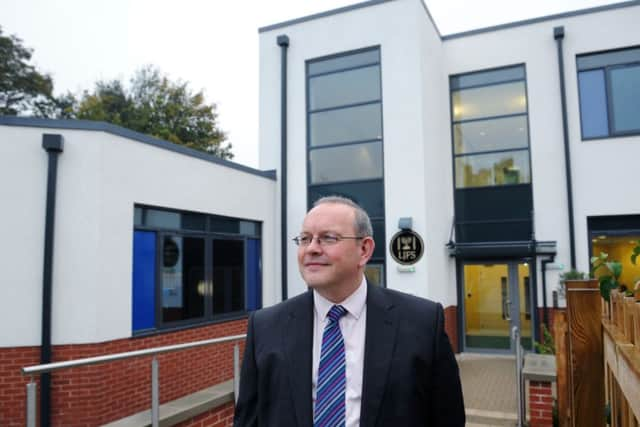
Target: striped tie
{"x":330,"y":394}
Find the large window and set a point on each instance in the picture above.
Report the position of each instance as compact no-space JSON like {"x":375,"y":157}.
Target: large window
{"x":490,"y":148}
{"x":609,"y":85}
{"x":344,"y":123}
{"x":490,"y":128}
{"x":190,"y":267}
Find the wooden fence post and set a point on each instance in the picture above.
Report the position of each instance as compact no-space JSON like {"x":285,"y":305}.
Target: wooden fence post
{"x":586,"y":370}
{"x":562,"y":352}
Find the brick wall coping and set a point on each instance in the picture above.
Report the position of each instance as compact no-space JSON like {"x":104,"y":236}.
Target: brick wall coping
{"x":182,"y":409}
{"x":539,"y":367}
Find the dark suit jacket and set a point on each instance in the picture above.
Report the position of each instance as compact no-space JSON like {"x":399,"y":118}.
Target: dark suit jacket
{"x":410,"y":375}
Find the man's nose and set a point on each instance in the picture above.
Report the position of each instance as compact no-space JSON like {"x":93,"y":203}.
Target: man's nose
{"x":314,"y":245}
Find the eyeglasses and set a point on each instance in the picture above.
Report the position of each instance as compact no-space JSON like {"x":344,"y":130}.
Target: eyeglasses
{"x":323,"y":239}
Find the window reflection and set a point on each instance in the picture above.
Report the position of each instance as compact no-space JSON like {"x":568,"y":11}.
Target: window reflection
{"x":490,"y":135}
{"x":489,"y":101}
{"x":625,"y":88}
{"x":493,"y":169}
{"x":183,"y":285}
{"x":344,"y":88}
{"x":228,"y":276}
{"x":346,"y":125}
{"x":344,"y":163}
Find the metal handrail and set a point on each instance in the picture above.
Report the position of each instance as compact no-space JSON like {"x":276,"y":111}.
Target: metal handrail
{"x":50,"y":367}
{"x":155,"y":381}
{"x":520,"y":395}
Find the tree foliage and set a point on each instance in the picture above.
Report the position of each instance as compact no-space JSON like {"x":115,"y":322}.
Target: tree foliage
{"x":156,"y":106}
{"x":23,"y":89}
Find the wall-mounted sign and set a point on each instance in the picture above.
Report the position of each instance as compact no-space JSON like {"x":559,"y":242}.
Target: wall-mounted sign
{"x":406,"y":247}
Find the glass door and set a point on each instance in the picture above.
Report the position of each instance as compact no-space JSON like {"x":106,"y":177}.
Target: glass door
{"x":496,"y":298}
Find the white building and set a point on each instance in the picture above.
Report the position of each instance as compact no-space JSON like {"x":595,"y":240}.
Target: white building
{"x":465,"y":135}
{"x":512,"y":151}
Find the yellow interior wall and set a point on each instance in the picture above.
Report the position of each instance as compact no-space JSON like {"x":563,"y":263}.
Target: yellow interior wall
{"x":483,"y":308}
{"x":620,"y":252}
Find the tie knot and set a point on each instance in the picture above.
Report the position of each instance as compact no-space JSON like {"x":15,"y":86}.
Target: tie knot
{"x":336,"y":312}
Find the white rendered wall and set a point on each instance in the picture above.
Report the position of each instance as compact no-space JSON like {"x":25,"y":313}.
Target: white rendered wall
{"x":398,"y":28}
{"x":100,"y":178}
{"x":594,"y":193}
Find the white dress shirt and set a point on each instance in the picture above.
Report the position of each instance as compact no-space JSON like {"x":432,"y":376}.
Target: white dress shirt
{"x":352,"y":326}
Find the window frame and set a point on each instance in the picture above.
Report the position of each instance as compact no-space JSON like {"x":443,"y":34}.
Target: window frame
{"x":160,"y":325}
{"x":310,"y":184}
{"x":457,"y":87}
{"x":606,"y":68}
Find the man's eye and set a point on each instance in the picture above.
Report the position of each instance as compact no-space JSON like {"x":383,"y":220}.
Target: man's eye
{"x":305,"y":240}
{"x":329,"y":238}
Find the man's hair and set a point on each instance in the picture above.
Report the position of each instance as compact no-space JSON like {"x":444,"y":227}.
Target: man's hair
{"x":362,"y":223}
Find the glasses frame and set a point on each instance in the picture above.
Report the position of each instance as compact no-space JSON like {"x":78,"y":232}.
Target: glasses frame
{"x":298,"y":239}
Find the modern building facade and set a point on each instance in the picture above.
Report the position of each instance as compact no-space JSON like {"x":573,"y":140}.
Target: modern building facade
{"x":153,"y":244}
{"x":510,"y":151}
{"x":509,"y":148}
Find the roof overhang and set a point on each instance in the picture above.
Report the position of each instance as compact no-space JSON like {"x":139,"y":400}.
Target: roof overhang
{"x":480,"y":250}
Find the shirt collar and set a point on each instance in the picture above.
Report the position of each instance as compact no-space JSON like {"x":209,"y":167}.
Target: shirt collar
{"x":354,"y":303}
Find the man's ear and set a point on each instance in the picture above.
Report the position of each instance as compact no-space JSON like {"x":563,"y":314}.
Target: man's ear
{"x":367,"y":245}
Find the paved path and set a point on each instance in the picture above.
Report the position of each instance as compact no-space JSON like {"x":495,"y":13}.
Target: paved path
{"x":489,"y":388}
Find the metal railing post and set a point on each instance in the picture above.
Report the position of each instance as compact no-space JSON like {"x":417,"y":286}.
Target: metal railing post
{"x":155,"y":393}
{"x":236,"y":371}
{"x":32,"y":388}
{"x":515,"y":332}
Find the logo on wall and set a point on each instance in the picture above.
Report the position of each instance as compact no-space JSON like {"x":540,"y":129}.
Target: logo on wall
{"x":406,"y":247}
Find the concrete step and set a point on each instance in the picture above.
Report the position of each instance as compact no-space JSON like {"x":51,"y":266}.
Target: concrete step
{"x":482,"y":418}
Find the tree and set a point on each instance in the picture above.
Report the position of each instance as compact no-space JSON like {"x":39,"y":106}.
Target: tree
{"x":23,"y":89}
{"x":156,"y":106}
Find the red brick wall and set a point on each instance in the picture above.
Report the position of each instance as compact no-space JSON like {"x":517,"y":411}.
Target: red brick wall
{"x":540,"y":404}
{"x":218,"y":417}
{"x":13,"y":384}
{"x":451,"y":326}
{"x":93,"y":395}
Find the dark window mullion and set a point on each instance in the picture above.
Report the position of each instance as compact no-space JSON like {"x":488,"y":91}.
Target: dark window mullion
{"x":458,"y":89}
{"x":342,"y":70}
{"x":346,"y":143}
{"x":348,"y":182}
{"x":475,"y":153}
{"x":345,"y":106}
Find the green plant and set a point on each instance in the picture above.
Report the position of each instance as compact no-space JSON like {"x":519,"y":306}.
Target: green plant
{"x":569,"y":275}
{"x":547,"y":346}
{"x":636,"y":252}
{"x":609,"y":280}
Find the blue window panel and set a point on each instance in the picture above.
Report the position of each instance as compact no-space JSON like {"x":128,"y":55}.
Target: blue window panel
{"x":625,"y":94}
{"x":254,"y":276}
{"x":593,"y":104}
{"x":144,"y":261}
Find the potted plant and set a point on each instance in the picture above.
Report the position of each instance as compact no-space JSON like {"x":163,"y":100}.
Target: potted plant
{"x":634,"y":256}
{"x":569,"y":275}
{"x":611,"y":279}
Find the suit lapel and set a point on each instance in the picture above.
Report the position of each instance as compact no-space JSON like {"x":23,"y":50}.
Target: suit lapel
{"x":379,"y":345}
{"x":298,"y":340}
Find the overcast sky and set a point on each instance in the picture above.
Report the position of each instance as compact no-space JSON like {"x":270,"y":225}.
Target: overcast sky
{"x":212,"y":44}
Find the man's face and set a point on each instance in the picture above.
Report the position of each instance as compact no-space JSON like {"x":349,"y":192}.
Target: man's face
{"x":337,"y":265}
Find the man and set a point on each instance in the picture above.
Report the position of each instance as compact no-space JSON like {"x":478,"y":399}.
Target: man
{"x":348,"y":353}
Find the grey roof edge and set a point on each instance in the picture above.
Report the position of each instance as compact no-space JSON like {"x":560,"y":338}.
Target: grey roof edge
{"x":322,"y":15}
{"x":130,"y":134}
{"x":433,"y":22}
{"x":569,"y":14}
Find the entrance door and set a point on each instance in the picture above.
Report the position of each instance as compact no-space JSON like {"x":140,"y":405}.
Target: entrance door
{"x":496,"y":298}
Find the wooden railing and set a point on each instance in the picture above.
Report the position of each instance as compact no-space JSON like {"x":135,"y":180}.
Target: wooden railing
{"x":578,"y":337}
{"x":621,"y":341}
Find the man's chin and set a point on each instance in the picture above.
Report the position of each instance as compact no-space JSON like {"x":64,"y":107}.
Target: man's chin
{"x":313,"y":281}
